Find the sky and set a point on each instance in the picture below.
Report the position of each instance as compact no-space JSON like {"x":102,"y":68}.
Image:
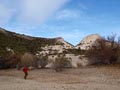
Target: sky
{"x":70,"y":19}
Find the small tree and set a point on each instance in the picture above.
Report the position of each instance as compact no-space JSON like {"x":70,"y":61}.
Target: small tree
{"x":111,"y":39}
{"x":28,"y":59}
{"x":61,"y":62}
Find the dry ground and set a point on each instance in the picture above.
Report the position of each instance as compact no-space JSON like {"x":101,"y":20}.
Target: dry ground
{"x":87,"y":78}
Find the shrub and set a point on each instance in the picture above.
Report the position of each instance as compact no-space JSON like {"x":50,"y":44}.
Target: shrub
{"x":12,"y":61}
{"x":42,"y":60}
{"x":28,"y":59}
{"x":19,"y":66}
{"x":61,"y":62}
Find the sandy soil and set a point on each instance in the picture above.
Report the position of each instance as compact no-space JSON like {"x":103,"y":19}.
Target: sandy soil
{"x":88,"y":78}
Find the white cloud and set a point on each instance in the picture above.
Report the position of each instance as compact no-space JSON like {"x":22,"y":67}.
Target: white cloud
{"x":68,"y":14}
{"x":29,"y":12}
{"x":38,"y":11}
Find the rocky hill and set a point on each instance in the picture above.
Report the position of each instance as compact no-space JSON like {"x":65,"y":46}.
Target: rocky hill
{"x":88,"y":41}
{"x":20,"y":43}
{"x":12,"y":43}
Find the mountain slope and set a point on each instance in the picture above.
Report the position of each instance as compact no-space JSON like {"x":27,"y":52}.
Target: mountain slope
{"x":22,"y":43}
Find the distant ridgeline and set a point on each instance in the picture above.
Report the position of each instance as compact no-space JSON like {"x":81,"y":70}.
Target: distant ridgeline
{"x":21,"y":43}
{"x":11,"y":42}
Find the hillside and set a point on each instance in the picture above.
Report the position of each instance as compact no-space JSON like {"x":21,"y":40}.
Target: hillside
{"x":21,"y":43}
{"x":88,"y":41}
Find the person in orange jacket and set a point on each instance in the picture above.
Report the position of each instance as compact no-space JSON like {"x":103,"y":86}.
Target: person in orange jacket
{"x":25,"y":70}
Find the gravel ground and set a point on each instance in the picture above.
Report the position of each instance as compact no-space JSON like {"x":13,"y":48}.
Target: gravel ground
{"x":90,"y":78}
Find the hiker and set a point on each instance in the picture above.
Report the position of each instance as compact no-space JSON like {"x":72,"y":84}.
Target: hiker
{"x":25,"y":70}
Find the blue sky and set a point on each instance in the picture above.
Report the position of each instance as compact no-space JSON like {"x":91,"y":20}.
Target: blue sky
{"x":70,"y":19}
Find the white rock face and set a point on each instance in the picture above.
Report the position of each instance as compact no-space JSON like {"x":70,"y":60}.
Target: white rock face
{"x":76,"y":61}
{"x":50,"y":49}
{"x":88,"y":42}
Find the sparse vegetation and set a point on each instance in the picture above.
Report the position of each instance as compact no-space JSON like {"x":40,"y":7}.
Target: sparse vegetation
{"x":28,"y":59}
{"x":61,"y":62}
{"x":107,"y":51}
{"x":76,"y":51}
{"x":10,"y":61}
{"x":22,"y":43}
{"x":42,"y":60}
